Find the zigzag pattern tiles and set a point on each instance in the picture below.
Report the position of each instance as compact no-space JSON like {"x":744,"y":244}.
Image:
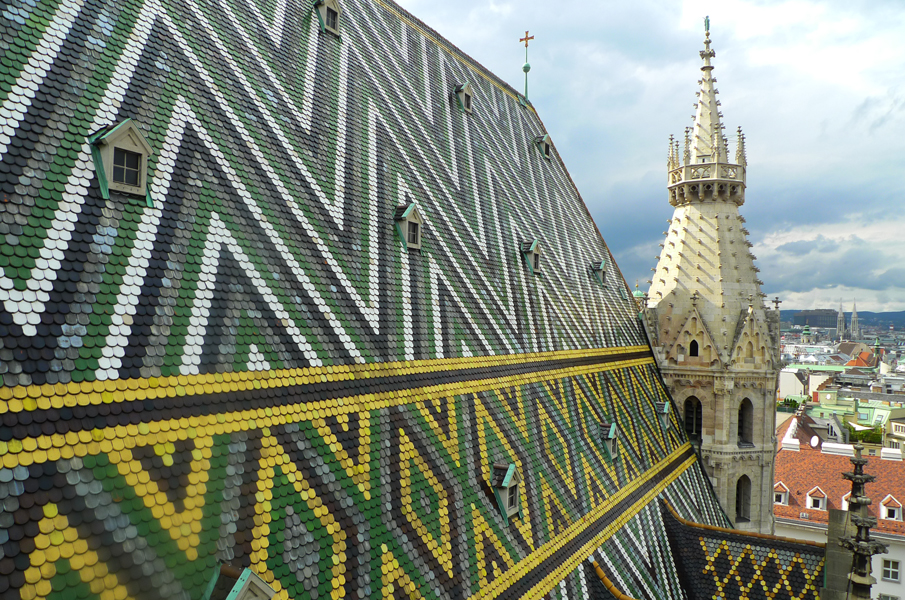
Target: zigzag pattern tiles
{"x":274,"y":179}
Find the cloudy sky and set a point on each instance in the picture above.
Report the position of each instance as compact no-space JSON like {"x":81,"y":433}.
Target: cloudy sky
{"x":817,"y":85}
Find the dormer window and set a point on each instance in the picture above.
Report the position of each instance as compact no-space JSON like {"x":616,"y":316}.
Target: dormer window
{"x":120,"y":155}
{"x":816,"y":499}
{"x":662,"y":409}
{"x":409,"y":225}
{"x":544,"y":145}
{"x":598,"y":271}
{"x":780,"y":494}
{"x":506,"y":483}
{"x":235,"y":584}
{"x":329,"y":13}
{"x":464,"y":97}
{"x":890,"y":509}
{"x":609,"y":435}
{"x":531,"y":255}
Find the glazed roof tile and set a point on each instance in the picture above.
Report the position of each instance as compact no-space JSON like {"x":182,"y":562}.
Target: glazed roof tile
{"x":716,"y":562}
{"x":253,"y":370}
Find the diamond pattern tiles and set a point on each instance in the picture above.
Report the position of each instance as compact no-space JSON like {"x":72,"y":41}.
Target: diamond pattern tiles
{"x":353,"y":497}
{"x":248,"y":366}
{"x":722,"y":563}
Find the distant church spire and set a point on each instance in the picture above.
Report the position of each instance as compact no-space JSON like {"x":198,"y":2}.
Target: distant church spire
{"x":840,"y":323}
{"x":855,"y":329}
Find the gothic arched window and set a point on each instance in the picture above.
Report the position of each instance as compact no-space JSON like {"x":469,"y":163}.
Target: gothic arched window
{"x":693,"y":348}
{"x":743,"y":500}
{"x":745,"y":422}
{"x":694,"y":412}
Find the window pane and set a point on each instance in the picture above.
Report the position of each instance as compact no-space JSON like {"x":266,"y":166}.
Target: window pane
{"x":413,"y":233}
{"x":131,"y":177}
{"x":133,"y":160}
{"x":126,"y":167}
{"x":331,"y":18}
{"x":536,"y":262}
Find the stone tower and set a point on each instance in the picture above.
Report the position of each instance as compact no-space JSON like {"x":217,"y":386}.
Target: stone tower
{"x":717,"y":345}
{"x":855,"y":329}
{"x":840,"y":323}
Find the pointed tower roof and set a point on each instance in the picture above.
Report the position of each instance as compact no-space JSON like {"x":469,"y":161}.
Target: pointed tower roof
{"x":707,"y":134}
{"x":706,"y":250}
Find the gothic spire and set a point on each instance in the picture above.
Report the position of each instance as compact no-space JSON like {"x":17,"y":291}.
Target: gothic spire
{"x":707,"y":137}
{"x":740,"y":156}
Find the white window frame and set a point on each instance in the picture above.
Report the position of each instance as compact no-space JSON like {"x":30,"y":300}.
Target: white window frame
{"x":821,"y":502}
{"x":890,"y":504}
{"x":888,"y":597}
{"x":780,"y":490}
{"x":892,"y":570}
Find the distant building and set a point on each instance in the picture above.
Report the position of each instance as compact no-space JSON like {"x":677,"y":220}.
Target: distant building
{"x":821,"y":317}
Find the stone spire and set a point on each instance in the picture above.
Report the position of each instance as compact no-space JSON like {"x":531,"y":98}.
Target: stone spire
{"x":840,"y":323}
{"x":707,"y":135}
{"x":706,"y":249}
{"x":860,"y":544}
{"x":716,"y":343}
{"x":855,"y":328}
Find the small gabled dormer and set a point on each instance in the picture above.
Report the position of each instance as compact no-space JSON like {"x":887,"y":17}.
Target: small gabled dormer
{"x":780,"y":494}
{"x":816,"y":499}
{"x":662,"y":410}
{"x":464,"y":96}
{"x":120,"y":155}
{"x":544,"y":145}
{"x":609,"y":436}
{"x":329,"y":13}
{"x":598,"y":271}
{"x":231,"y":583}
{"x":506,"y":485}
{"x":891,"y":509}
{"x":531,"y":255}
{"x":409,"y":225}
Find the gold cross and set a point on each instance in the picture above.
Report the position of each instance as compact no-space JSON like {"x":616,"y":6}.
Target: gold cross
{"x":526,"y":38}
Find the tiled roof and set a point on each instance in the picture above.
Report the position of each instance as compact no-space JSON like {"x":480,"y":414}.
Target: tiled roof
{"x":809,"y":467}
{"x":722,"y":563}
{"x":246,"y":366}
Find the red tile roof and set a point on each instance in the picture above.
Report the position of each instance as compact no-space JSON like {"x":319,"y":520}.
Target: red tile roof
{"x":801,"y":471}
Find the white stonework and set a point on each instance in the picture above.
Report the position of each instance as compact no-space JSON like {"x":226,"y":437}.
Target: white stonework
{"x":714,"y":339}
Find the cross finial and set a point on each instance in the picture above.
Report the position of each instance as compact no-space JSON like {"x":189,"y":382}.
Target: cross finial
{"x":776,"y":302}
{"x":526,"y":67}
{"x":694,"y":298}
